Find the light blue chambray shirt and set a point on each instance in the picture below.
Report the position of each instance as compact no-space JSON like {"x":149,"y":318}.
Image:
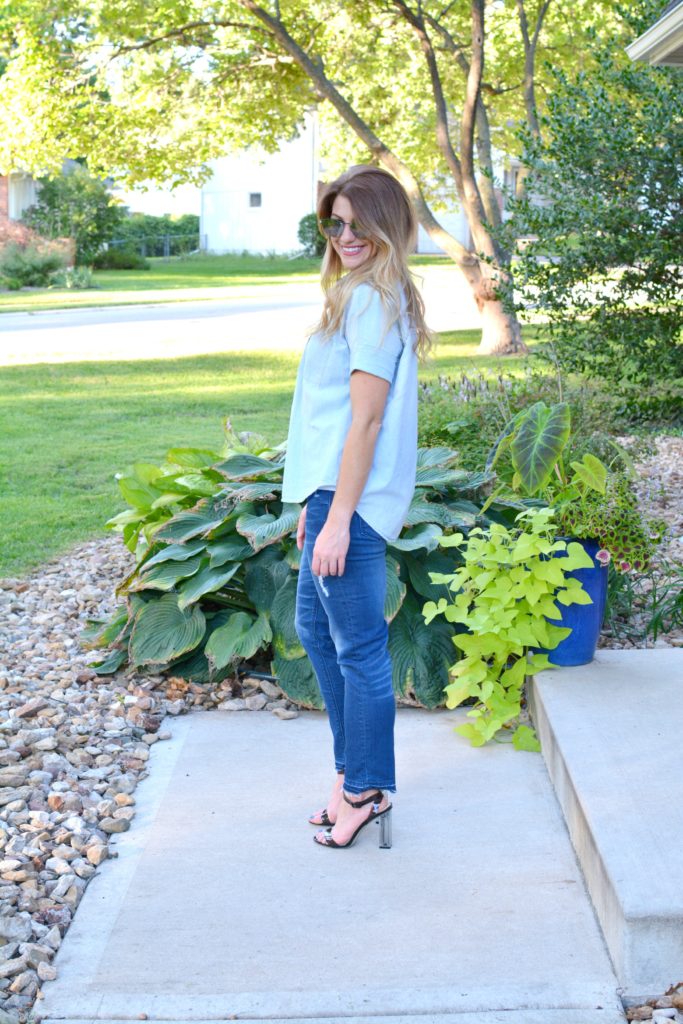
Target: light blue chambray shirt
{"x":321,"y":412}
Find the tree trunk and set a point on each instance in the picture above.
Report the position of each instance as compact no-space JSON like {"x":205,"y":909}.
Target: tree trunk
{"x":501,"y":334}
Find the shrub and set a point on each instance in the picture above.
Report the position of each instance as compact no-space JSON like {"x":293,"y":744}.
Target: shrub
{"x":310,"y":237}
{"x":73,"y":277}
{"x":76,"y":205}
{"x":29,"y":266}
{"x":116,"y":258}
{"x":215,"y":579}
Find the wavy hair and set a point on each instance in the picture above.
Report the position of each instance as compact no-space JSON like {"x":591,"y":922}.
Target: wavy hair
{"x":383,"y":210}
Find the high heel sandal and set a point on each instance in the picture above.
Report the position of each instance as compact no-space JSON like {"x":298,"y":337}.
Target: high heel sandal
{"x":325,"y":819}
{"x":383,"y":818}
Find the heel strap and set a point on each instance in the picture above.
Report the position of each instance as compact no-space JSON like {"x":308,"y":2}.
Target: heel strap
{"x":375,"y":798}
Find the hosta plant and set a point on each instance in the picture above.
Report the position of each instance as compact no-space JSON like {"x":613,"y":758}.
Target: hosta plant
{"x":504,"y":597}
{"x":214,"y":583}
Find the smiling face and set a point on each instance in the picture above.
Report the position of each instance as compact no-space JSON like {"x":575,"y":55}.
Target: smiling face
{"x":352,"y":251}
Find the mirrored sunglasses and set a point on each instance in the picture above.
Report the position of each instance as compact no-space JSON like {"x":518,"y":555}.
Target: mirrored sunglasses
{"x":334,"y":226}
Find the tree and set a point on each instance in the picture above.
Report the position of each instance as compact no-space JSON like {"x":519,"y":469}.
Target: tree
{"x":75,"y":205}
{"x":423,"y":87}
{"x":604,"y":210}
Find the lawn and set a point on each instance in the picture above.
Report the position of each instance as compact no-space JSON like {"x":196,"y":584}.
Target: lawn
{"x":67,"y":428}
{"x":179,"y":280}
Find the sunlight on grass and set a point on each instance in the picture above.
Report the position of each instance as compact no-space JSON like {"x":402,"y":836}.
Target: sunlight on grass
{"x":67,"y":428}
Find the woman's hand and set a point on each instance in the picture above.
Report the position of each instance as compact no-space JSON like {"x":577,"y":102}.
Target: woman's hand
{"x":331,"y":547}
{"x":301,"y":529}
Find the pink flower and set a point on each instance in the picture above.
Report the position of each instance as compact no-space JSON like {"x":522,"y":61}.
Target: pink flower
{"x":624,"y":566}
{"x":603,"y":556}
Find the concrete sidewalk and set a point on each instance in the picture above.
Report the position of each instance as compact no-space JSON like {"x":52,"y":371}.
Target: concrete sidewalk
{"x":219,"y":904}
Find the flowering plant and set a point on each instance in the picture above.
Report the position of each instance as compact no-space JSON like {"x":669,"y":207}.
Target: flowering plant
{"x":590,"y":502}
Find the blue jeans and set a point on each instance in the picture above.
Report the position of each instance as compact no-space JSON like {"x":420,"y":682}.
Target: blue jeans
{"x":340,"y":623}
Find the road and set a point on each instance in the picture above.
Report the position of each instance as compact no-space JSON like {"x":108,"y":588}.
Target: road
{"x":269,"y":317}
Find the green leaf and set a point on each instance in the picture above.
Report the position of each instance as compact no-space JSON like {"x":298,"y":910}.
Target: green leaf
{"x":112,"y":663}
{"x":282,"y":611}
{"x":163,"y":631}
{"x":185,"y":525}
{"x":263,"y":579}
{"x":421,"y":654}
{"x":175,"y":552}
{"x":197,"y":458}
{"x":525,"y":738}
{"x":298,"y":681}
{"x":102,"y":633}
{"x":539,"y":443}
{"x":206,"y":581}
{"x":424,"y":536}
{"x":239,"y":638}
{"x":396,"y":589}
{"x":436,"y":476}
{"x":165,"y":575}
{"x":591,"y":472}
{"x":245,"y":467}
{"x":232,"y":548}
{"x":439,"y":455}
{"x":267,"y":529}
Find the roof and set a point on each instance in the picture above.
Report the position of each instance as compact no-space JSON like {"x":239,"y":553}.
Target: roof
{"x":662,"y":43}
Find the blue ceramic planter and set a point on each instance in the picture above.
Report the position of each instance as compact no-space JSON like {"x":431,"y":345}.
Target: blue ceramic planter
{"x":584,"y":620}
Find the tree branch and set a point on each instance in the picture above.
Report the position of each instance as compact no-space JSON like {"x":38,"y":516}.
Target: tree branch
{"x":443,"y":137}
{"x":380,"y":152}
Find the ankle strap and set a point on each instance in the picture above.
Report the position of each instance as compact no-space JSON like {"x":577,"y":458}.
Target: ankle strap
{"x":374,"y":798}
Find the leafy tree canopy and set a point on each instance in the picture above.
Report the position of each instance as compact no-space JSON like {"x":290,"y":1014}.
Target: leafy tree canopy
{"x":153,"y":91}
{"x":604,"y":208}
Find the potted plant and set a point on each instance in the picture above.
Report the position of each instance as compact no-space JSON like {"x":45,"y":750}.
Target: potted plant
{"x":592,"y":506}
{"x":508,"y":596}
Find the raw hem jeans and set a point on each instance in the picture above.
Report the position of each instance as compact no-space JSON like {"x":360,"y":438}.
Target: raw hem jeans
{"x":340,"y":622}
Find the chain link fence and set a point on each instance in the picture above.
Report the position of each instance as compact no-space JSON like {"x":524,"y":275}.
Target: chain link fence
{"x":164,"y":246}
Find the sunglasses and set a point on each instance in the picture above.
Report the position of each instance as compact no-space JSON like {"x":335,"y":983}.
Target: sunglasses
{"x":333,"y":227}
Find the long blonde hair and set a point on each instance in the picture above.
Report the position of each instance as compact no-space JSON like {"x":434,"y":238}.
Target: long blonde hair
{"x":383,"y":210}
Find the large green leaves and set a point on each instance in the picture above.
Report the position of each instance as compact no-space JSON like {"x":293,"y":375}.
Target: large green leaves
{"x":206,"y":581}
{"x":246,"y":467}
{"x":297,"y":680}
{"x":420,"y":654}
{"x":239,"y":638}
{"x":163,"y":631}
{"x":539,"y":443}
{"x":267,"y":529}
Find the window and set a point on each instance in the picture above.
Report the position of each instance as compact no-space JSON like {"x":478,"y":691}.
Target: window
{"x":254,"y":198}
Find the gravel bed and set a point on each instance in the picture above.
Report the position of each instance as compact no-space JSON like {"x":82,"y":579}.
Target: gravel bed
{"x":74,"y":745}
{"x":660,"y":494}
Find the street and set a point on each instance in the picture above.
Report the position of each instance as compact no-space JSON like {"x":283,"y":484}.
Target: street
{"x":266,"y":317}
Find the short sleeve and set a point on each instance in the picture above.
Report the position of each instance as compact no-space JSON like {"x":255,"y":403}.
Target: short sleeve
{"x":371,"y":349}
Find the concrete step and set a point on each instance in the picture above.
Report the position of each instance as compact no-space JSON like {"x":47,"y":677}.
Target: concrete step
{"x":612,"y":738}
{"x":564,"y":1016}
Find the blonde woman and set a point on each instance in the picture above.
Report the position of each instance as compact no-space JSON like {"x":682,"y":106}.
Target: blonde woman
{"x":351,"y":457}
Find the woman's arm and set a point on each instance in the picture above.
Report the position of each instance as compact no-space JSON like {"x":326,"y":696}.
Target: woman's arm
{"x":368,"y":399}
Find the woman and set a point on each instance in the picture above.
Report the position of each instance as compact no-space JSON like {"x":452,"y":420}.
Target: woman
{"x":351,"y":456}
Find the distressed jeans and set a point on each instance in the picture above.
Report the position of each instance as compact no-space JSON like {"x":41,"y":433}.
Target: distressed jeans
{"x":340,"y":623}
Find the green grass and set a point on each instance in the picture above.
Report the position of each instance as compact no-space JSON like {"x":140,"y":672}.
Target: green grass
{"x":181,"y":279}
{"x":67,"y":428}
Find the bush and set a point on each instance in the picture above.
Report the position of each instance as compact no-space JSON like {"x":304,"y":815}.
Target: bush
{"x":28,"y":266}
{"x":75,"y":205}
{"x":215,"y":580}
{"x":120,"y":259}
{"x":73,"y":277}
{"x":310,"y":237}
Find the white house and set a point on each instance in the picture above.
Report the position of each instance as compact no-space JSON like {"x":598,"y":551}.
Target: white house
{"x":255,"y":200}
